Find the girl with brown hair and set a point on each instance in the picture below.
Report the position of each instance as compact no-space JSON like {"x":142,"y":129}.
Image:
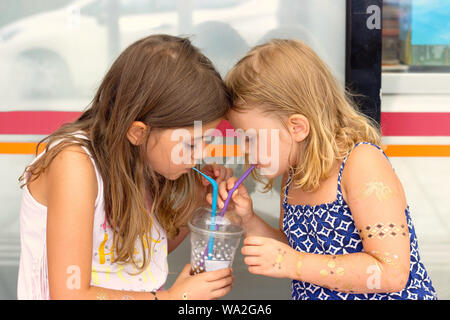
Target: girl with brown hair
{"x":106,"y":201}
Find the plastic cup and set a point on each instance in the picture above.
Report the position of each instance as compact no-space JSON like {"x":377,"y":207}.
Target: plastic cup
{"x":213,"y":246}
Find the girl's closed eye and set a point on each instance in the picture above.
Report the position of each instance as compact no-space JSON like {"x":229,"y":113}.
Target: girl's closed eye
{"x":194,"y":148}
{"x":194,"y":145}
{"x":249,"y":142}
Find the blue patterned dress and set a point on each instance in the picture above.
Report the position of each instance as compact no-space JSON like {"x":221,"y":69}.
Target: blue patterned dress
{"x":329,"y":229}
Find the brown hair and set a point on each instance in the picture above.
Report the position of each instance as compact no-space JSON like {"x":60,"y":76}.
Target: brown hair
{"x":164,"y":82}
{"x":286,"y":77}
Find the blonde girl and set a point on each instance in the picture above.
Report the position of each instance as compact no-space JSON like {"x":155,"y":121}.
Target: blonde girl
{"x":345,"y":230}
{"x":106,"y":201}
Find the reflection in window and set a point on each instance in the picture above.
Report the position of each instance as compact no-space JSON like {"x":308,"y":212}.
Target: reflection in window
{"x":416,"y":35}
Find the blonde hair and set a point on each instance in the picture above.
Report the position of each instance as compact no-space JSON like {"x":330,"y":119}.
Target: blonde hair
{"x":286,"y":77}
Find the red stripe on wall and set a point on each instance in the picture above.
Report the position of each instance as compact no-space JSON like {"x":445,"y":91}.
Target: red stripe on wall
{"x":46,"y":122}
{"x":419,"y":124}
{"x":34,"y":122}
{"x":392,"y":123}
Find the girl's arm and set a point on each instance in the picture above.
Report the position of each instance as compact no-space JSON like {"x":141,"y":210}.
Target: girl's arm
{"x":174,"y":243}
{"x":256,"y":226}
{"x":377,"y":202}
{"x":71,"y":190}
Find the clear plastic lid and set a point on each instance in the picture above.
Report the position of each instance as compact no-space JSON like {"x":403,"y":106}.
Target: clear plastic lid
{"x":230,"y":225}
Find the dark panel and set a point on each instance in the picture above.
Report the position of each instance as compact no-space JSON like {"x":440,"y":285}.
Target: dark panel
{"x":363,"y":54}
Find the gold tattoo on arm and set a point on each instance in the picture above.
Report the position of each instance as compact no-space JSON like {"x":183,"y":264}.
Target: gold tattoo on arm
{"x":279,"y":259}
{"x":332,"y":268}
{"x":334,"y":271}
{"x":381,"y":191}
{"x":388,"y":258}
{"x":397,"y":270}
{"x":102,"y":295}
{"x":299,"y":265}
{"x":380,"y":231}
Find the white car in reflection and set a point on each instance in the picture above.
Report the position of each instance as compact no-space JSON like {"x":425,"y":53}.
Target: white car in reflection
{"x":68,"y":50}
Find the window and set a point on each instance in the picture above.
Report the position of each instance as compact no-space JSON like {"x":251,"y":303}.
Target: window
{"x":94,"y":8}
{"x":416,"y":47}
{"x":130,"y":7}
{"x":208,"y":4}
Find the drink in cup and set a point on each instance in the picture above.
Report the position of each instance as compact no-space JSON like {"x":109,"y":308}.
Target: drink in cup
{"x":213,"y":241}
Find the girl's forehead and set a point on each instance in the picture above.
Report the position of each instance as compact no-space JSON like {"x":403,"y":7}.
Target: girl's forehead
{"x":253,"y":117}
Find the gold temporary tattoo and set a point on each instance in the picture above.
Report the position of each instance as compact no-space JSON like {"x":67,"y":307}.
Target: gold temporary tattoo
{"x":299,"y":264}
{"x":397,"y":270}
{"x":388,"y":258}
{"x":340,"y":271}
{"x":334,"y":268}
{"x":279,"y":258}
{"x":185,"y":297}
{"x":331,"y":264}
{"x":382,"y":230}
{"x":102,"y":295}
{"x":381,"y":191}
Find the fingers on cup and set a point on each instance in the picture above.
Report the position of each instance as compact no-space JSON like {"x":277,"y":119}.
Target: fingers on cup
{"x":224,"y":282}
{"x":221,"y":292}
{"x":222,"y":287}
{"x":218,"y":274}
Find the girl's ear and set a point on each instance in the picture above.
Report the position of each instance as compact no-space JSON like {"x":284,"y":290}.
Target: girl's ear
{"x":298,"y":126}
{"x":137,"y":132}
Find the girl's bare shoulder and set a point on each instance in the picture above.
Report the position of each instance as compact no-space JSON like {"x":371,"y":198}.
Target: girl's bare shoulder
{"x":367,"y":164}
{"x":70,"y":171}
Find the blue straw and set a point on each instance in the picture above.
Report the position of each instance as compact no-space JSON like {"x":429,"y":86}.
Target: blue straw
{"x":213,"y":211}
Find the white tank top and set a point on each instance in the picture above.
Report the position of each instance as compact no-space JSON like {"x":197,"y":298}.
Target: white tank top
{"x":33,"y":277}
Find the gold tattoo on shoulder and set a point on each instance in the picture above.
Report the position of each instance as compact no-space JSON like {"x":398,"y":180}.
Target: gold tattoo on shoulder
{"x":381,"y":191}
